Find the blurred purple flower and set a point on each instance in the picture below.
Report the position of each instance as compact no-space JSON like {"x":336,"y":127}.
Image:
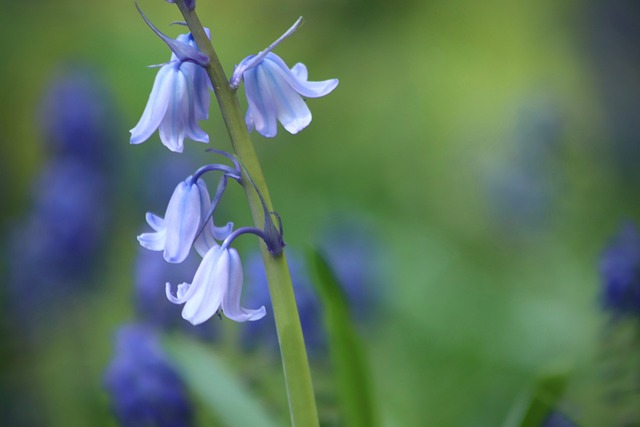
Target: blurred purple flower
{"x":57,"y":245}
{"x":557,"y":419}
{"x":144,"y":388}
{"x":356,"y":256}
{"x":620,"y":272}
{"x":256,"y":334}
{"x":76,"y":117}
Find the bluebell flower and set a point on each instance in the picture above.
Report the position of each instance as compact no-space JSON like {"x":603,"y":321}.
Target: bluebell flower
{"x":175,"y":233}
{"x":275,"y":93}
{"x":179,"y":98}
{"x":216,"y":285}
{"x":620,"y":272}
{"x":152,"y":306}
{"x":144,"y":387}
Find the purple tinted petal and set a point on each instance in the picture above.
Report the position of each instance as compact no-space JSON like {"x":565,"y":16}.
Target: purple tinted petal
{"x":209,"y":284}
{"x":291,"y":110}
{"x":231,"y":302}
{"x":300,"y":72}
{"x":260,"y":98}
{"x":182,"y":221}
{"x":190,"y":115}
{"x":173,"y":123}
{"x":155,"y":108}
{"x":153,"y":241}
{"x":303,"y":87}
{"x":154,"y":221}
{"x":185,"y":291}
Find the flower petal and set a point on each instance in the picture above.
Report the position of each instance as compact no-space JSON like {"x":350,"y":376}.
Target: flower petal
{"x":302,"y":86}
{"x":231,"y":301}
{"x":172,"y":126}
{"x":260,"y":99}
{"x":154,"y":221}
{"x":155,"y":109}
{"x":182,"y":221}
{"x":208,"y":288}
{"x":153,"y":241}
{"x":194,"y":109}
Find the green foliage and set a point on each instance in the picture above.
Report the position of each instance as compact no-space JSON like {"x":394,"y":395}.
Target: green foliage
{"x":216,"y":385}
{"x":351,"y":368}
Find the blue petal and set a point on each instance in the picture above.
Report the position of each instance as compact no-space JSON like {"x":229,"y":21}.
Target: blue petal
{"x":155,"y":108}
{"x":260,"y":98}
{"x":291,"y":110}
{"x":172,"y":125}
{"x":190,"y":115}
{"x":154,"y":221}
{"x":231,"y":302}
{"x":182,"y":221}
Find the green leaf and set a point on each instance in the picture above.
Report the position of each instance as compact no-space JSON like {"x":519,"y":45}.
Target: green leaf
{"x":351,"y":369}
{"x":207,"y":376}
{"x":532,"y":409}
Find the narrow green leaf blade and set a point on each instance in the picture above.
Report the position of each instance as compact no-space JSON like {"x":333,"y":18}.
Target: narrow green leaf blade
{"x":206,"y":374}
{"x":351,"y":369}
{"x":532,"y":409}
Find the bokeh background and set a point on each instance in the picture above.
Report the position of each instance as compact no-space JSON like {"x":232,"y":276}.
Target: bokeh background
{"x":486,"y":152}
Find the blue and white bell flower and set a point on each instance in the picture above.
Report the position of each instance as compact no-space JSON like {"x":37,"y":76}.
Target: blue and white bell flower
{"x":275,"y":92}
{"x":175,"y":233}
{"x":179,"y":97}
{"x":216,"y":285}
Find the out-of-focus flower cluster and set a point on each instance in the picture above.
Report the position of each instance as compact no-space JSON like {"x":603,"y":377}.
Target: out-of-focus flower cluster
{"x":620,"y":272}
{"x":55,"y":246}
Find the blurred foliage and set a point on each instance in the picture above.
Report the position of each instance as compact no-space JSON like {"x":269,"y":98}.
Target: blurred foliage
{"x":428,"y":114}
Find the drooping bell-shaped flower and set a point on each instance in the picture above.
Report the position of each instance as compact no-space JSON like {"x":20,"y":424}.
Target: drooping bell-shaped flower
{"x":179,"y":98}
{"x":175,"y":233}
{"x":216,"y":285}
{"x":275,"y":93}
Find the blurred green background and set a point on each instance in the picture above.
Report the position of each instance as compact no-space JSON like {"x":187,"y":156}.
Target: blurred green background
{"x":491,"y":145}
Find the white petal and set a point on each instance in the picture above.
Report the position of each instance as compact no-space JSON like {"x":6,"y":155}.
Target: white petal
{"x":153,"y":241}
{"x":303,"y":87}
{"x":231,"y":302}
{"x":183,"y":293}
{"x":155,"y":108}
{"x":182,"y":221}
{"x":209,"y":286}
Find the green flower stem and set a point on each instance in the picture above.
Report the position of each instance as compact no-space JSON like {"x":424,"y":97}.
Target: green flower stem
{"x":302,"y":403}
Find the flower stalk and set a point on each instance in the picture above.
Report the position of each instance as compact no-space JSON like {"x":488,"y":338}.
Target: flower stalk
{"x":302,"y":404}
